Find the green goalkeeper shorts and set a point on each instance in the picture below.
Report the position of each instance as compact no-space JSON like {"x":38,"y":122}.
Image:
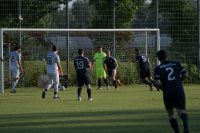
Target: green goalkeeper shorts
{"x":100,"y":73}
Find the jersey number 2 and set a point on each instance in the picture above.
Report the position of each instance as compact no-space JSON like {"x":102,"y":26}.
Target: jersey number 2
{"x":170,"y":78}
{"x":12,"y":58}
{"x":80,"y":65}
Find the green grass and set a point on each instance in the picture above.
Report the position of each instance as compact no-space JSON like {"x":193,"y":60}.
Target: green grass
{"x":130,"y":109}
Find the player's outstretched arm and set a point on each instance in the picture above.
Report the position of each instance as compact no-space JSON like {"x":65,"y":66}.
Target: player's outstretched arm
{"x":92,"y":64}
{"x":116,"y":65}
{"x":149,"y":63}
{"x":158,"y":84}
{"x":89,"y":66}
{"x":138,"y":68}
{"x":59,"y":67}
{"x":104,"y":67}
{"x":4,"y":59}
{"x":20,"y":65}
{"x":184,"y":76}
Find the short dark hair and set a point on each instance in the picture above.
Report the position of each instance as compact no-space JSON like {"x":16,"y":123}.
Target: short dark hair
{"x":99,"y":47}
{"x":17,"y":47}
{"x":80,"y":51}
{"x":137,"y":49}
{"x":54,"y":48}
{"x":162,"y":55}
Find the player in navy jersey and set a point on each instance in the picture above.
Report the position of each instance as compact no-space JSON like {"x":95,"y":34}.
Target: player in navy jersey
{"x":173,"y":93}
{"x":81,"y":64}
{"x":15,"y":66}
{"x":112,"y":65}
{"x":144,"y":69}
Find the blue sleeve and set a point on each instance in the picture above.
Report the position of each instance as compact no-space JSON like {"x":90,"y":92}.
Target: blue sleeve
{"x":181,"y":69}
{"x":157,"y":73}
{"x":87,"y":61}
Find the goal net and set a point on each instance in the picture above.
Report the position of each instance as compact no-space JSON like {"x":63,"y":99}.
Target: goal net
{"x":37,"y":43}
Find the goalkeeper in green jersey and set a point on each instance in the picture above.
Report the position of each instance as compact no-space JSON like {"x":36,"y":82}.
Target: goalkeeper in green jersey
{"x":100,"y":72}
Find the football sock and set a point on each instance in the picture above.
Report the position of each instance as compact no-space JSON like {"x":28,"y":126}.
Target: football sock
{"x":56,"y":87}
{"x":115,"y":83}
{"x":155,"y":85}
{"x":146,"y":82}
{"x":12,"y":89}
{"x":106,"y":82}
{"x":55,"y":94}
{"x":48,"y":87}
{"x":184,"y":117}
{"x":89,"y":93}
{"x":174,"y":125}
{"x":99,"y":83}
{"x":79,"y":91}
{"x":13,"y":86}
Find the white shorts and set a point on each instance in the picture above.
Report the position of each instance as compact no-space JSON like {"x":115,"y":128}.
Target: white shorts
{"x":53,"y":78}
{"x":15,"y":72}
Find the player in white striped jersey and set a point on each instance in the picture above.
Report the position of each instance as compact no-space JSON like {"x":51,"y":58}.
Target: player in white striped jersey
{"x":15,"y":66}
{"x":53,"y":64}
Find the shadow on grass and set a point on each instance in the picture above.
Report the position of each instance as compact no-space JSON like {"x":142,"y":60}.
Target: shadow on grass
{"x":122,"y":121}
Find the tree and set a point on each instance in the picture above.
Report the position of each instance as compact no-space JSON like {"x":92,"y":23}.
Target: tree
{"x":32,"y":12}
{"x":182,"y":15}
{"x":124,"y":14}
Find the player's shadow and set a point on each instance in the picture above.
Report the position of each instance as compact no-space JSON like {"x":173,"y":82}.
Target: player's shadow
{"x":98,"y":122}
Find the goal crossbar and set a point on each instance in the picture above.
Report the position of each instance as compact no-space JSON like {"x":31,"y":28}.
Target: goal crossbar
{"x":65,"y":30}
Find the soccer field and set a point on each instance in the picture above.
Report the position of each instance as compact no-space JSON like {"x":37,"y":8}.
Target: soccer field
{"x":130,"y":109}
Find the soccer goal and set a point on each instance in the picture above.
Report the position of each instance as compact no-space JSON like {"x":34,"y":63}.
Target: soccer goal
{"x":37,"y":43}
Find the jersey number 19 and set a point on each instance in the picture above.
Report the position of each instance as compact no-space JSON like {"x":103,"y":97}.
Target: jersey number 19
{"x":80,"y":64}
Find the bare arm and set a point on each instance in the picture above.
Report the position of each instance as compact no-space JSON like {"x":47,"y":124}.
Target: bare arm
{"x":138,"y":67}
{"x":59,"y":67}
{"x":158,"y":84}
{"x":20,"y":65}
{"x":88,"y":66}
{"x":104,"y":66}
{"x":93,"y":62}
{"x":184,"y":76}
{"x":4,"y":59}
{"x":149,"y":64}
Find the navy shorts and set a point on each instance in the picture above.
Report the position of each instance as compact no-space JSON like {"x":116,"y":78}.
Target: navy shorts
{"x":83,"y":79}
{"x":175,"y":102}
{"x":110,"y":72}
{"x":145,"y":73}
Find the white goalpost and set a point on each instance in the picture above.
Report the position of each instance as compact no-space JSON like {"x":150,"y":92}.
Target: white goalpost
{"x":138,"y":33}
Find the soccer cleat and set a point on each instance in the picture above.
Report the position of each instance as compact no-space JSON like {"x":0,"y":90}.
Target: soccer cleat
{"x":79,"y":98}
{"x":186,"y":128}
{"x":108,"y":87}
{"x":116,"y":89}
{"x":43,"y":95}
{"x":119,"y":82}
{"x":151,"y":87}
{"x":13,"y":91}
{"x":90,"y":99}
{"x":99,"y":89}
{"x":56,"y":97}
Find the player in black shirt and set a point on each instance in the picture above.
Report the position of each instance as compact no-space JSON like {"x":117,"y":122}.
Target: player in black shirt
{"x":112,"y":65}
{"x":81,"y":64}
{"x":144,"y":69}
{"x":173,"y":93}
